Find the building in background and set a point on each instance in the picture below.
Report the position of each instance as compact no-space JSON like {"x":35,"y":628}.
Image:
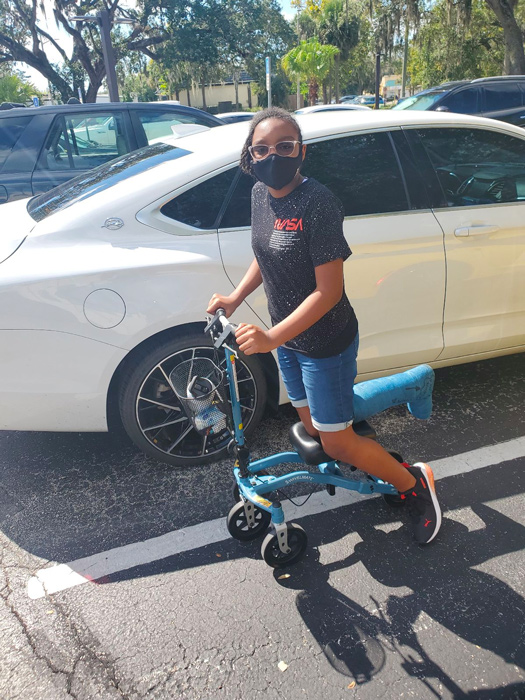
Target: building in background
{"x":220,"y":96}
{"x":390,"y":86}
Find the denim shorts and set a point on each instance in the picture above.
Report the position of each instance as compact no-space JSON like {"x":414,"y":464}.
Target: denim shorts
{"x":325,"y":385}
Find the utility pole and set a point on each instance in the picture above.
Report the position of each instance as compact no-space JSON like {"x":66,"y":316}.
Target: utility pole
{"x":102,"y":19}
{"x":109,"y":55}
{"x":378,"y":74}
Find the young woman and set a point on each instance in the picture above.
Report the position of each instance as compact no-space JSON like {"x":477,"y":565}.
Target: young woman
{"x":299,"y":246}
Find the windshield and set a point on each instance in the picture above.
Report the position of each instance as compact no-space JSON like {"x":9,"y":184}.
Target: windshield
{"x":101,"y":178}
{"x":421,"y":101}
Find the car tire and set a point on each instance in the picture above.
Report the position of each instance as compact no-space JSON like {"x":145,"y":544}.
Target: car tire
{"x":153,"y":417}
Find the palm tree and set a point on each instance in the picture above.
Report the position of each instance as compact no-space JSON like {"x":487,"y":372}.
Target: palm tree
{"x":311,"y":62}
{"x":334,"y":26}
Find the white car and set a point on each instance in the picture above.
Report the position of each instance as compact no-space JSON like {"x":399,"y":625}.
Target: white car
{"x":333,"y":108}
{"x":99,"y":130}
{"x":104,"y":281}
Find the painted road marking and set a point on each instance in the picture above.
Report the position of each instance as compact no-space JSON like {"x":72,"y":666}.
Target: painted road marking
{"x":60,"y":577}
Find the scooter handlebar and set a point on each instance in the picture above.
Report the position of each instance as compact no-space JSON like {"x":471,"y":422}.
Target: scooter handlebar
{"x":220,"y":328}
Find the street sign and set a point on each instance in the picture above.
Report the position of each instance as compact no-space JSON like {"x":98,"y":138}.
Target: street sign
{"x":36,"y":102}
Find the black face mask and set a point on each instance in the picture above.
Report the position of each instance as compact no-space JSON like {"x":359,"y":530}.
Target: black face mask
{"x":277,"y":171}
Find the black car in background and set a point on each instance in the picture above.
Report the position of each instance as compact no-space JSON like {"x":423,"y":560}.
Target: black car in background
{"x":486,"y":97}
{"x":511,"y":116}
{"x":42,"y":147}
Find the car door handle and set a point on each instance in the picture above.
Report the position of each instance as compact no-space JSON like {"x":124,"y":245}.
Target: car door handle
{"x":475,"y":230}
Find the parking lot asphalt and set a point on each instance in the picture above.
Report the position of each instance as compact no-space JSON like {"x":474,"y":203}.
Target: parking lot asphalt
{"x":367,"y":614}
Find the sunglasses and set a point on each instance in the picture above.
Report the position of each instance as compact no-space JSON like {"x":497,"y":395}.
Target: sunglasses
{"x":283,"y":148}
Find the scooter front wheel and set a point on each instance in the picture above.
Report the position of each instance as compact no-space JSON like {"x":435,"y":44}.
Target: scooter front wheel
{"x":237,"y":523}
{"x":297,"y":542}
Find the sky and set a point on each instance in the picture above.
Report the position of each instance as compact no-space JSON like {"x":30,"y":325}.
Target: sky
{"x":38,"y":79}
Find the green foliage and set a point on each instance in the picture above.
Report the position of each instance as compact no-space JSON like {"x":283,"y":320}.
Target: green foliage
{"x":213,"y":38}
{"x":446,"y":49}
{"x":310,"y":61}
{"x":14,"y":89}
{"x":140,"y":85}
{"x":281,"y":88}
{"x":359,"y":69}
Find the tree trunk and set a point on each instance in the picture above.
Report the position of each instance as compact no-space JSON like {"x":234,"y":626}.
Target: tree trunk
{"x":203,"y":88}
{"x":325,"y":94}
{"x":249,"y":96}
{"x":93,"y":88}
{"x":405,"y":61}
{"x":188,"y":95}
{"x":313,"y":89}
{"x":514,"y":53}
{"x":177,"y":95}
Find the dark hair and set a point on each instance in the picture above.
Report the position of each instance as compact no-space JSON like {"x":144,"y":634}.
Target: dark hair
{"x":268,"y":113}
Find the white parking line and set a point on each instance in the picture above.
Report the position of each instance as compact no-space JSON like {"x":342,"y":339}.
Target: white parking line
{"x":60,"y":577}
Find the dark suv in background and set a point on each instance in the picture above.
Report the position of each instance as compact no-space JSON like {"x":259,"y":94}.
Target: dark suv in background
{"x":498,"y":98}
{"x":42,"y":147}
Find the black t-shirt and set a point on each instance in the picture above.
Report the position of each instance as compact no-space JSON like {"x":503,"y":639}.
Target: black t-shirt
{"x":291,"y":236}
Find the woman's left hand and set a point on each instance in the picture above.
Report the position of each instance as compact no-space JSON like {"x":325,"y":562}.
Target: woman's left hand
{"x":252,"y":339}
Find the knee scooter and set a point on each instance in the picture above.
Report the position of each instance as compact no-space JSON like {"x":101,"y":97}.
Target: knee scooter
{"x":258,"y":509}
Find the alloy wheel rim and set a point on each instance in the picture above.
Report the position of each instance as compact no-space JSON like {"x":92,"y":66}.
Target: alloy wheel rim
{"x":160,"y":415}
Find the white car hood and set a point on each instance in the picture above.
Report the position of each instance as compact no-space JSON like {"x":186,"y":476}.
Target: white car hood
{"x":15,"y":224}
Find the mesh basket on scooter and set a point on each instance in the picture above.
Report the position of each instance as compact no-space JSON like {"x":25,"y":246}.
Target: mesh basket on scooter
{"x":200,"y":387}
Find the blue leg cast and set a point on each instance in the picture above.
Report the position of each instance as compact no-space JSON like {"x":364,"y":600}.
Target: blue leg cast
{"x":413,"y":387}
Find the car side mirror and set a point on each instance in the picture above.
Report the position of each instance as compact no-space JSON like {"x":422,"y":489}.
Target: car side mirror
{"x":111,"y":126}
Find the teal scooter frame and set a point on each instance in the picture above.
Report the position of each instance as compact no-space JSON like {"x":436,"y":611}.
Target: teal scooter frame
{"x":256,"y":490}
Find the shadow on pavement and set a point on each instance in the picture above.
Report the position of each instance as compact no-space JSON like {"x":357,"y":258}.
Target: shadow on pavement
{"x":445,"y":583}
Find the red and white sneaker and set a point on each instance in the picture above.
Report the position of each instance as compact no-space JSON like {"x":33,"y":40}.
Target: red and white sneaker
{"x":422,"y":503}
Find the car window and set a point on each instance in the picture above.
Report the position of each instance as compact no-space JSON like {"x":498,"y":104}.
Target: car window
{"x":421,"y":101}
{"x":476,"y":166}
{"x":361,"y":170}
{"x":238,"y":213}
{"x":10,"y":131}
{"x":200,"y":206}
{"x":82,"y":142}
{"x":463,"y":101}
{"x":158,"y":124}
{"x":502,"y":96}
{"x":99,"y":179}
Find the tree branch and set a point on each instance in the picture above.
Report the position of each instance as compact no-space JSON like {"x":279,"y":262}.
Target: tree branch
{"x":142,"y":44}
{"x":55,"y":44}
{"x":59,"y":16}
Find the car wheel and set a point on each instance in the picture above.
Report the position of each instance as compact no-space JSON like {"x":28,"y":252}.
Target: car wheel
{"x":153,"y":416}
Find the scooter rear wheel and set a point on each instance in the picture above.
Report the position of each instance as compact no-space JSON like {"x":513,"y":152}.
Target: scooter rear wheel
{"x":237,"y":523}
{"x":297,"y":542}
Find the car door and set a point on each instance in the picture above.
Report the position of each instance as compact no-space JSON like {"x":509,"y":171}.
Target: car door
{"x":78,"y":142}
{"x":15,"y":171}
{"x":395,"y":278}
{"x":481,"y":173}
{"x":502,"y":95}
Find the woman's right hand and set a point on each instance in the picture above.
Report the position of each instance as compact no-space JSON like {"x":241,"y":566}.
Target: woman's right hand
{"x":218,"y":301}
